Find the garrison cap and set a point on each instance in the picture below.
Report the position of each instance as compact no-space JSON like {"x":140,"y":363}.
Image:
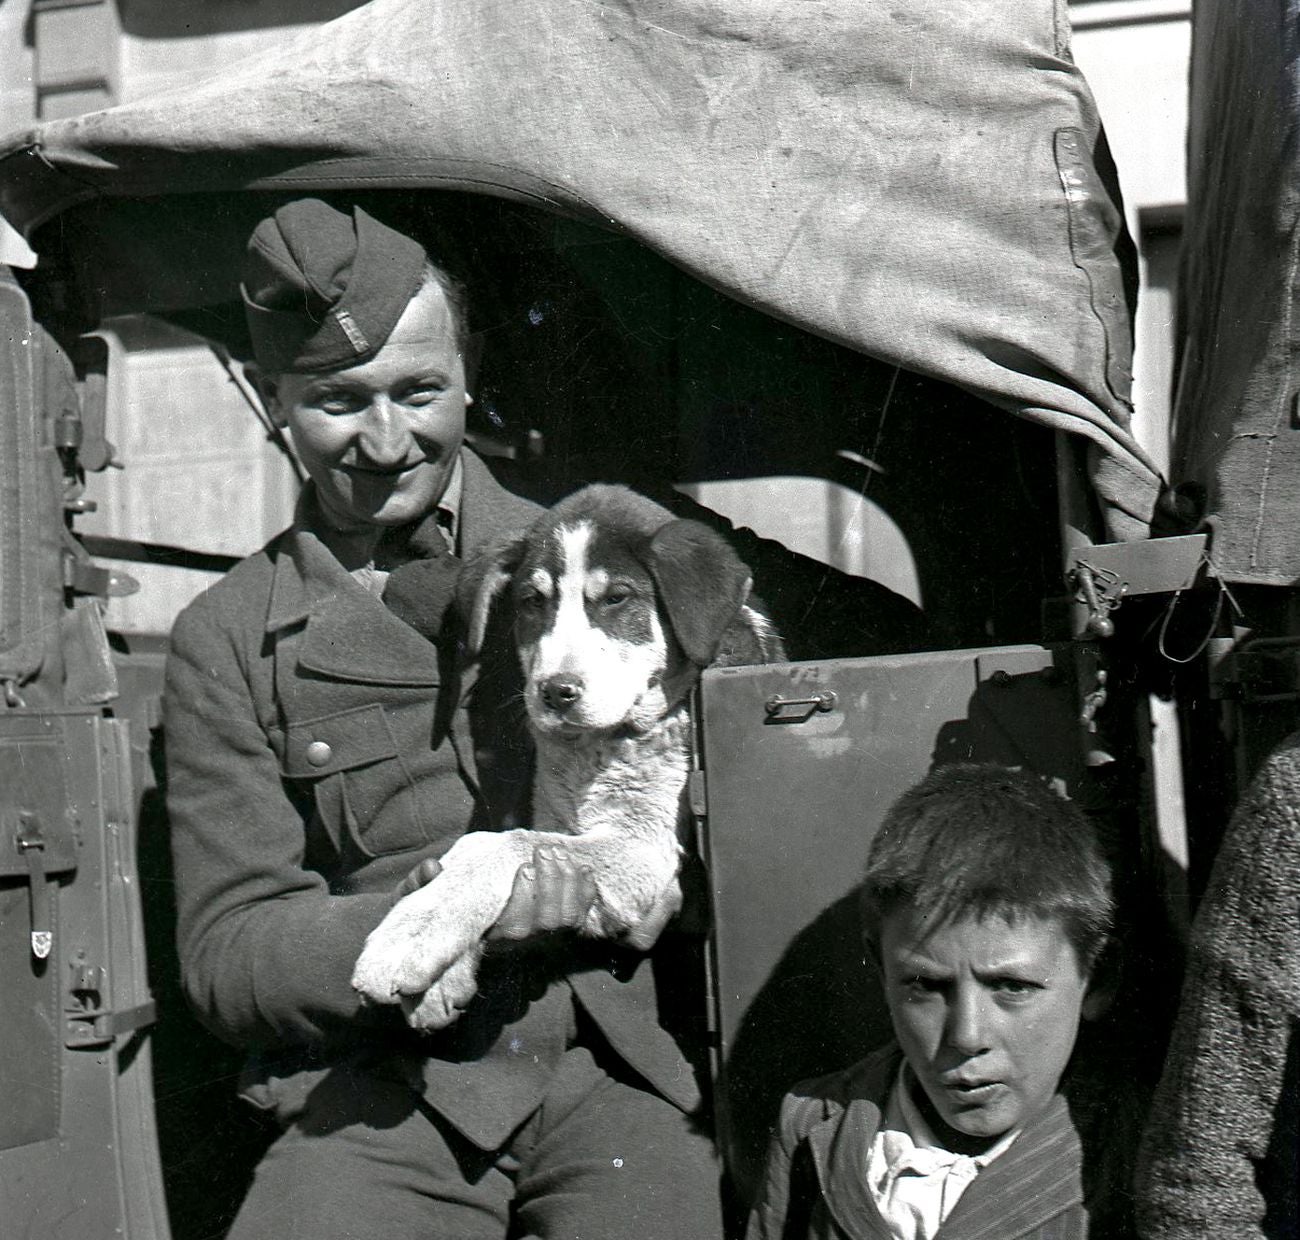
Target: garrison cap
{"x":323,"y":288}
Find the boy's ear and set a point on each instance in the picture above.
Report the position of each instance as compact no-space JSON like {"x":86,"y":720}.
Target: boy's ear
{"x":871,"y":958}
{"x":1103,"y":985}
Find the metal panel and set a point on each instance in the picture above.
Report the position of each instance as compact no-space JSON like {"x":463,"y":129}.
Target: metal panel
{"x":37,"y":843}
{"x":796,"y":785}
{"x":97,"y":1175}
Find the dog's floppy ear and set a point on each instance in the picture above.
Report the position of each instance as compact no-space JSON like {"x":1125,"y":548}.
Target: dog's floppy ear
{"x":702,"y":584}
{"x":481,"y":583}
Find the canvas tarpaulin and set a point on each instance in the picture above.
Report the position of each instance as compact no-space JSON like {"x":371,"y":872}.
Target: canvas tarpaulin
{"x":925,"y":183}
{"x":1237,"y":428}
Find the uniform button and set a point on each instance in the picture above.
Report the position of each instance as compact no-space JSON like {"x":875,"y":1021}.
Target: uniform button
{"x":319,"y":753}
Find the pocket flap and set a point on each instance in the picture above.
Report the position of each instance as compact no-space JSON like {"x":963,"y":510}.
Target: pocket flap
{"x":352,"y":738}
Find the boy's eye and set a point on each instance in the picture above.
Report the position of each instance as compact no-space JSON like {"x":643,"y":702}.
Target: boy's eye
{"x":1015,"y":987}
{"x":918,"y":986}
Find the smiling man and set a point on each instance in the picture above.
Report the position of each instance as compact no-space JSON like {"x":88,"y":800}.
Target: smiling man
{"x":321,"y":757}
{"x":987,"y":906}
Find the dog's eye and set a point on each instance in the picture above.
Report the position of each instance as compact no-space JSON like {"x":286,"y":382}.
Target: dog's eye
{"x":532,"y":601}
{"x":616,"y":597}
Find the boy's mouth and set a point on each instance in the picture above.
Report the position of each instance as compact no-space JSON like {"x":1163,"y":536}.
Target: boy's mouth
{"x":972,"y":1092}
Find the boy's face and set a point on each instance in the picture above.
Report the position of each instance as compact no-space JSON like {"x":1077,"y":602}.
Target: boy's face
{"x":986,"y":1012}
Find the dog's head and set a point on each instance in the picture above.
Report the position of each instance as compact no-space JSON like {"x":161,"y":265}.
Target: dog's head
{"x":616,"y":607}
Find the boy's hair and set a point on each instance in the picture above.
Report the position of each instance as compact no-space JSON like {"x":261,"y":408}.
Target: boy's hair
{"x":979,"y":840}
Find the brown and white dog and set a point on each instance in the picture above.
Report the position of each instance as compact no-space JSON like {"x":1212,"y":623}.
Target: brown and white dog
{"x":617,"y":608}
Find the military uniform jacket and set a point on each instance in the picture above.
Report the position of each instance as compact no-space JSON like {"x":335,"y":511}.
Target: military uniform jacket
{"x":315,"y":752}
{"x":815,"y":1185}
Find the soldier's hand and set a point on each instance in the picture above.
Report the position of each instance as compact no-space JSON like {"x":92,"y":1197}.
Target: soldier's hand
{"x":424,"y":873}
{"x":552,"y":892}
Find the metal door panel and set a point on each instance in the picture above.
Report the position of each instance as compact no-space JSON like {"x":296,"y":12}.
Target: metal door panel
{"x":796,"y":784}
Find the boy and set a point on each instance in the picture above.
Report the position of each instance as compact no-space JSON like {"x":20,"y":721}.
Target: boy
{"x":987,"y":906}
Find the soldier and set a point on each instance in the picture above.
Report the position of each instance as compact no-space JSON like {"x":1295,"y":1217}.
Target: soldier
{"x":318,"y":752}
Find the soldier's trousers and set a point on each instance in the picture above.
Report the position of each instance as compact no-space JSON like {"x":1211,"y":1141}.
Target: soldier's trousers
{"x":600,"y":1159}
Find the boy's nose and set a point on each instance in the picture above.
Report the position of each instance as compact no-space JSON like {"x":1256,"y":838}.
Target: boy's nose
{"x":967,"y":1026}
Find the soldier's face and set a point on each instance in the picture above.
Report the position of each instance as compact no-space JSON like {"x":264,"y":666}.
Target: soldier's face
{"x":380,"y":439}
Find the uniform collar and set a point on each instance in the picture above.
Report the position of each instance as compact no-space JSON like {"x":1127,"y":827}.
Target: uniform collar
{"x":307,"y":571}
{"x":348,"y":633}
{"x":488,"y":512}
{"x":450,"y":504}
{"x":351,"y":634}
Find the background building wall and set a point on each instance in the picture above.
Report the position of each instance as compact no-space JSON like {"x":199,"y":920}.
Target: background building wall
{"x":1135,"y":55}
{"x":198,"y":469}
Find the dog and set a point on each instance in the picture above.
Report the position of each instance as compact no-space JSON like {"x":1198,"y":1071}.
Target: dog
{"x":617,"y":608}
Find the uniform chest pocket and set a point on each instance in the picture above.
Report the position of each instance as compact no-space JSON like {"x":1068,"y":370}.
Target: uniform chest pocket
{"x":362,"y":786}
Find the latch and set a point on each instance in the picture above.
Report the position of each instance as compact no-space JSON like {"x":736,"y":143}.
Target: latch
{"x":30,"y":844}
{"x":89,"y":1021}
{"x":1100,"y":591}
{"x":36,"y":842}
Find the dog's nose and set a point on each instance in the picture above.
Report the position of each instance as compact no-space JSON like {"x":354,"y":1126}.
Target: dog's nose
{"x":560,"y":692}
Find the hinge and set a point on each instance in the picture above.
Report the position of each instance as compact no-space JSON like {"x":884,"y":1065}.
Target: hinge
{"x":1101,"y":576}
{"x":697,"y":794}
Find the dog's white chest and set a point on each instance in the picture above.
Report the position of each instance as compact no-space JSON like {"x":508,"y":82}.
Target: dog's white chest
{"x":629,"y":781}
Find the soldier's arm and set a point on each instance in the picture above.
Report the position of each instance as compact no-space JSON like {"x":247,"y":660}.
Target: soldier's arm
{"x":266,"y":950}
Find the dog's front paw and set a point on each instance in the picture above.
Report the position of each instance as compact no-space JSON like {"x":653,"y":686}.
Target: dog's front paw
{"x":380,"y":975}
{"x":409,"y":950}
{"x":444,"y":1001}
{"x":644,"y":928}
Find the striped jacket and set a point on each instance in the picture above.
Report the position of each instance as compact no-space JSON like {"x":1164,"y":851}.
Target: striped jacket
{"x":815,"y":1186}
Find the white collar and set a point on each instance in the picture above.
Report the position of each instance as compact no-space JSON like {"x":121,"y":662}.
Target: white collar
{"x":903,"y":1115}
